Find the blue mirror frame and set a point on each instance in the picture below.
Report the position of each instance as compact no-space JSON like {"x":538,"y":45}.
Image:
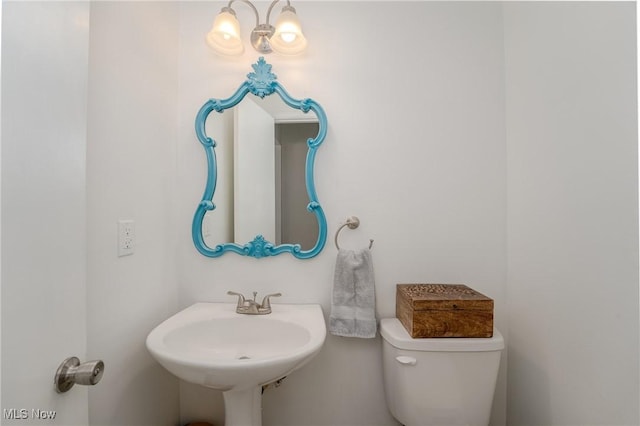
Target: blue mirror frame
{"x":261,"y":82}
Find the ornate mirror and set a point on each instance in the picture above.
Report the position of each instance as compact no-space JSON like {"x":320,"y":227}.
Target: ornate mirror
{"x":263,"y":149}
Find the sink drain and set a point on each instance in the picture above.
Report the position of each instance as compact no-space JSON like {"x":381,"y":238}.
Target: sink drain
{"x":244,"y":357}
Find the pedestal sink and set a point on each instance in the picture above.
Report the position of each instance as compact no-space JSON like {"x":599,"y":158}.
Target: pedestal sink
{"x":211,"y":345}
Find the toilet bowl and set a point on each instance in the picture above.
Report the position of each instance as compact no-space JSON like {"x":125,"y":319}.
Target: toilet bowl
{"x":439,"y":381}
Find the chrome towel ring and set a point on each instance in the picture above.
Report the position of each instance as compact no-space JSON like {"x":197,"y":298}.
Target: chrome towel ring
{"x":352,"y":223}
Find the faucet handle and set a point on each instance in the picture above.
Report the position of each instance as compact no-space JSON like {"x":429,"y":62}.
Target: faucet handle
{"x":240,"y":297}
{"x":266,"y":303}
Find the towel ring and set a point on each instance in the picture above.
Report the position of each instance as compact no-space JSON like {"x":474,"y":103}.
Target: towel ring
{"x":352,"y":223}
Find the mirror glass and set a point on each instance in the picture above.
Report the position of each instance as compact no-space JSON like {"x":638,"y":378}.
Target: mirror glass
{"x":261,"y":151}
{"x":260,"y":197}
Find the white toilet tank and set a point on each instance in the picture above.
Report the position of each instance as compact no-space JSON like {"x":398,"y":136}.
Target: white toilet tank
{"x":439,"y":381}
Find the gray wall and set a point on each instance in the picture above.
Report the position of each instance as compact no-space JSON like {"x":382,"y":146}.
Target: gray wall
{"x":299,"y":226}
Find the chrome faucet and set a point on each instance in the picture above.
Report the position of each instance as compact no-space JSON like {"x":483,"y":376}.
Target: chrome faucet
{"x":250,"y":306}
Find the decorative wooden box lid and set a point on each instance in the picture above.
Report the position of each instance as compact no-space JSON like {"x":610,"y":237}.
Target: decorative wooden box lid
{"x":422,"y":297}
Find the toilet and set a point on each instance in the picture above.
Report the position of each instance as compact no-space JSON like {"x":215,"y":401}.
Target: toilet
{"x":439,"y":381}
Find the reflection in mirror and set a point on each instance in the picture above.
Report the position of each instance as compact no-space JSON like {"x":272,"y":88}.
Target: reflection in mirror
{"x":294,"y":223}
{"x":260,"y":196}
{"x":261,"y":151}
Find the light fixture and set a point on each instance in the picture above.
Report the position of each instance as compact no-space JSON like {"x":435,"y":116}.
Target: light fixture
{"x":285,"y":38}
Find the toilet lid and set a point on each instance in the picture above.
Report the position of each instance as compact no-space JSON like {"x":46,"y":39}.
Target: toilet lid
{"x":394,"y":332}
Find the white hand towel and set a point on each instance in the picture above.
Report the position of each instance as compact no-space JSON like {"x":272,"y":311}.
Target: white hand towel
{"x":354,"y":298}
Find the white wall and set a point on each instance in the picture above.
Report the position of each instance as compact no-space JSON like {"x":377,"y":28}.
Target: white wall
{"x":64,"y":290}
{"x":44,"y":111}
{"x":254,"y":173}
{"x":572,"y":213}
{"x":415,"y":148}
{"x":131,"y":156}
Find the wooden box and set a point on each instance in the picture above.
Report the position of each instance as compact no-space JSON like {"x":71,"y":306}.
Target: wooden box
{"x":444,"y":310}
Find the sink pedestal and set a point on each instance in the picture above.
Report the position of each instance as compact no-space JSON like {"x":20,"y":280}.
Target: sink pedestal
{"x":210,"y":344}
{"x":243,"y":407}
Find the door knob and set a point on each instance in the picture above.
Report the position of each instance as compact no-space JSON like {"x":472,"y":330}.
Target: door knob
{"x":71,"y":372}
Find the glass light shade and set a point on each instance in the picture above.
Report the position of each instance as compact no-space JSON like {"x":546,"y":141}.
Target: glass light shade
{"x":288,"y":38}
{"x":224,"y":36}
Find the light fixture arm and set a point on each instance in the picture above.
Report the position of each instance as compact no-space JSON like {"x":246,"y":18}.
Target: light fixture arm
{"x":273,"y":3}
{"x":255,"y":11}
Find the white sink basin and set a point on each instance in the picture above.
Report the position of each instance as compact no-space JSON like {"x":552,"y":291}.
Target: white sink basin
{"x":211,"y":345}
